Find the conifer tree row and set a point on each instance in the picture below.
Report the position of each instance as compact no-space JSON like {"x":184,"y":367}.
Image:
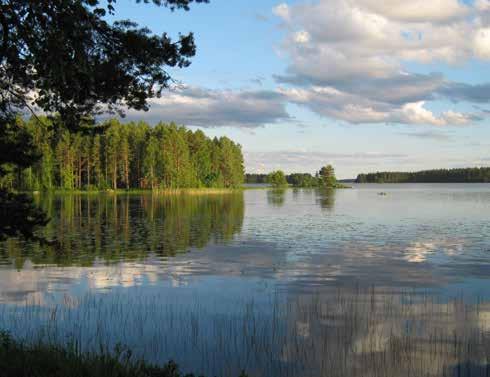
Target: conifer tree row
{"x":459,"y":175}
{"x":126,"y":156}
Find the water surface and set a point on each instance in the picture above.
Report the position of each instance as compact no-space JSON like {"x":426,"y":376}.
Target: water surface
{"x":289,"y":282}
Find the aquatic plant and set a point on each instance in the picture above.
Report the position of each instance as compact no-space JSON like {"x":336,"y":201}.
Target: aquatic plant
{"x":45,"y":360}
{"x":343,"y":332}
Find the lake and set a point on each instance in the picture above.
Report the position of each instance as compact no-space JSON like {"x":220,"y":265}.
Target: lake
{"x":293,"y":282}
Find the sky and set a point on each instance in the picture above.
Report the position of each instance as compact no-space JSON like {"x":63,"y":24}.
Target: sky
{"x":365,"y":85}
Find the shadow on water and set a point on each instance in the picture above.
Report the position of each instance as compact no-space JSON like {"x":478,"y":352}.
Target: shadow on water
{"x":129,"y":227}
{"x":326,"y":198}
{"x":468,"y":369}
{"x":276,"y":197}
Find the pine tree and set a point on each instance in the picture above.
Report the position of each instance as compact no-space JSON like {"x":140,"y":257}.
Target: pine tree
{"x":150,"y":161}
{"x":112,"y":152}
{"x":327,"y":176}
{"x":96,"y":162}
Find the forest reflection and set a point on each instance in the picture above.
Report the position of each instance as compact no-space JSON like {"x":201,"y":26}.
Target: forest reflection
{"x":276,"y":197}
{"x":112,"y":227}
{"x":325,"y":198}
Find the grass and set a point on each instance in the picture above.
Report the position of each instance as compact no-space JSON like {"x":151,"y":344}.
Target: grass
{"x":183,"y":191}
{"x":347,"y":332}
{"x":196,"y":191}
{"x":43,"y":360}
{"x":159,"y":191}
{"x":342,"y":186}
{"x":189,"y":191}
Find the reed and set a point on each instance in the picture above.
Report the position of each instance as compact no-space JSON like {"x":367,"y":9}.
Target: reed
{"x":347,"y":332}
{"x":48,"y":360}
{"x":196,"y":191}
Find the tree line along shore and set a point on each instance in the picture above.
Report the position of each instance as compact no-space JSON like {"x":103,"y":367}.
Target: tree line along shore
{"x":324,"y":178}
{"x":125,"y":156}
{"x":135,"y":156}
{"x":167,"y":157}
{"x":460,"y":175}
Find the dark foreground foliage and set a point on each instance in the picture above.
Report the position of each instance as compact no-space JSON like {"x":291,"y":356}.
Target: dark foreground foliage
{"x":19,"y":360}
{"x":19,"y":216}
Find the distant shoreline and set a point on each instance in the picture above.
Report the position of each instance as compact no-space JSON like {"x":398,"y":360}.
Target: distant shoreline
{"x":219,"y":191}
{"x":181,"y":191}
{"x":460,"y":175}
{"x":420,"y":183}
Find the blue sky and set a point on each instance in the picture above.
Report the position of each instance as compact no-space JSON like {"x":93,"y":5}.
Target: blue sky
{"x":362,"y":84}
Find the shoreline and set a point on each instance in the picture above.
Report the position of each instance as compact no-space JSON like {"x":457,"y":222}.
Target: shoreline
{"x":180,"y":191}
{"x":219,"y":191}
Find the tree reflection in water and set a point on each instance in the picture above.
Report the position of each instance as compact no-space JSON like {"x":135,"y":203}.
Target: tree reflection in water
{"x":125,"y":227}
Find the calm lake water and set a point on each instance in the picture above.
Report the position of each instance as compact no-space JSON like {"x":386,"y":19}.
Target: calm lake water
{"x":279,"y":283}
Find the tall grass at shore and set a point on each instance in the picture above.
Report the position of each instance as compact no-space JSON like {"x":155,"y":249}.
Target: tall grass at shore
{"x":345,"y":333}
{"x":156,"y":191}
{"x":48,"y":360}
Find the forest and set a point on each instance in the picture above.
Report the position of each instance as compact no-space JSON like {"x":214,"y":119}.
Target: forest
{"x":462,"y":175}
{"x":130,"y":155}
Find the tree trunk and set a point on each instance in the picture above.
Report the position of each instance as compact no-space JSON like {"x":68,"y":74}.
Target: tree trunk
{"x":88,"y":173}
{"x":114,"y":177}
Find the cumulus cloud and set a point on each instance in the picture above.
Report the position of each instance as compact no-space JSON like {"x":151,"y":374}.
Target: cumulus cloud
{"x":352,"y":108}
{"x":416,"y":113}
{"x":348,"y":61}
{"x":481,"y":43}
{"x":419,"y":10}
{"x":347,"y":57}
{"x":282,"y":10}
{"x":195,"y":106}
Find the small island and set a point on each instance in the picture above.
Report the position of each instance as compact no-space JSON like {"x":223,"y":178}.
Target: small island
{"x":324,"y":178}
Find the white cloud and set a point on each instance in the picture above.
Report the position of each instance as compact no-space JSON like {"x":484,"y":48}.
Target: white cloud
{"x":384,"y":32}
{"x":347,"y":57}
{"x":482,"y":5}
{"x":301,"y":37}
{"x":415,"y":113}
{"x":333,"y":103}
{"x":481,"y":42}
{"x":419,"y":10}
{"x":193,"y":106}
{"x":457,"y":118}
{"x":282,"y":11}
